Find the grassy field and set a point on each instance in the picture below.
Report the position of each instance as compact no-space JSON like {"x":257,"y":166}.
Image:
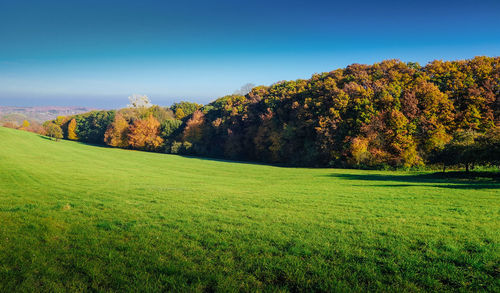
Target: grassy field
{"x":75,"y":217}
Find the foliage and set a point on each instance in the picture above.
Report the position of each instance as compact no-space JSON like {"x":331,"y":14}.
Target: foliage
{"x":10,"y":124}
{"x":60,"y":120}
{"x":184,"y":109}
{"x":144,"y":134}
{"x":117,"y":133}
{"x":72,"y":130}
{"x":161,"y":114}
{"x":26,"y":124}
{"x":54,"y":131}
{"x":470,"y":148}
{"x":386,"y":114}
{"x":91,"y":126}
{"x":169,"y":128}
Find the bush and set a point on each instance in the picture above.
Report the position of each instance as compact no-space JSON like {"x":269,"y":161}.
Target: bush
{"x":175,"y":147}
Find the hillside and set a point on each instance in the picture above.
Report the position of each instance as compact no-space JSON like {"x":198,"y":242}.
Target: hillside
{"x":388,"y":114}
{"x":78,"y":217}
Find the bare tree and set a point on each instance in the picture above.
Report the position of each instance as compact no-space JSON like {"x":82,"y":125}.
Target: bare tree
{"x":245,"y":89}
{"x":139,"y":101}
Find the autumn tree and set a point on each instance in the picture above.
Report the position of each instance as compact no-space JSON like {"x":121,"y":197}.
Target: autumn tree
{"x":160,"y":113}
{"x":388,"y":113}
{"x":10,"y":124}
{"x":72,"y":130}
{"x":60,"y":120}
{"x":179,"y":113}
{"x":144,"y":134}
{"x":54,"y":131}
{"x":193,"y":131}
{"x":25,"y":125}
{"x":117,"y":133}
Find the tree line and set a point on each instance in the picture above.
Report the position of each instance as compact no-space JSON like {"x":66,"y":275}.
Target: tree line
{"x":389,"y":113}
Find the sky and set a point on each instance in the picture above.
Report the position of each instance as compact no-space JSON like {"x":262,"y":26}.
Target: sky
{"x":97,"y":53}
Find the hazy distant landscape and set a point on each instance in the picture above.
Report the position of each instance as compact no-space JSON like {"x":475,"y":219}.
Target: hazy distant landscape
{"x":38,"y":114}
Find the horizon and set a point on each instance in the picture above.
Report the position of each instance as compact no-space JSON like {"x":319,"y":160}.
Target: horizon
{"x":110,"y":102}
{"x":200,"y":51}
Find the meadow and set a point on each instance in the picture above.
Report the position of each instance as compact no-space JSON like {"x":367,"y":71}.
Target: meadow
{"x":77,"y":217}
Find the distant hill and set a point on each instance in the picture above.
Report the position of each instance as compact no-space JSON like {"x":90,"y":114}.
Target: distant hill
{"x":37,"y":114}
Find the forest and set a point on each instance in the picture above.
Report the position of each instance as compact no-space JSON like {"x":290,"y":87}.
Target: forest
{"x":389,"y":114}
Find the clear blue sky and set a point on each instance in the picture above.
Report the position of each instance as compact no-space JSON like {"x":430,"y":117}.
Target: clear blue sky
{"x":97,"y":53}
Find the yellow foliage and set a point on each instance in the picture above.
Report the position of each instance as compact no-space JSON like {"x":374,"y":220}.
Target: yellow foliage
{"x":72,"y":130}
{"x":117,"y":133}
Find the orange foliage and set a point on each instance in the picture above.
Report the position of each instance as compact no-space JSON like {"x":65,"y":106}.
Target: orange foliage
{"x":117,"y":133}
{"x":143,"y":134}
{"x":194,"y":127}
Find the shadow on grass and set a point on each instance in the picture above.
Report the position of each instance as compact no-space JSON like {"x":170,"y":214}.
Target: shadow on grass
{"x":459,"y":180}
{"x":456,"y":180}
{"x":222,"y":160}
{"x":44,"y":137}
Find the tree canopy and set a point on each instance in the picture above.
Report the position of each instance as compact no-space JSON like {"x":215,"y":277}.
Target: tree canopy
{"x":389,"y":113}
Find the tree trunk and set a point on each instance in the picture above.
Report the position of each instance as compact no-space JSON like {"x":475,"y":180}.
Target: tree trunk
{"x":444,"y":168}
{"x":467,"y":167}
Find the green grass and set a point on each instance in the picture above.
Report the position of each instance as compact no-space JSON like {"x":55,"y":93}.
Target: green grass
{"x":75,"y":217}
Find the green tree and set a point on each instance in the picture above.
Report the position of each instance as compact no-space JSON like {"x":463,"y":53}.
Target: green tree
{"x":184,"y":109}
{"x":169,"y":128}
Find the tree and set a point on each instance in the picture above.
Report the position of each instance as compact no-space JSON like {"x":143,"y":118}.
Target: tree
{"x":10,"y":124}
{"x":169,"y":128}
{"x":139,"y":101}
{"x":464,"y":145}
{"x":245,"y":89}
{"x":184,"y":109}
{"x":72,"y":130}
{"x":490,"y":147}
{"x":26,"y":124}
{"x":194,"y":127}
{"x":91,"y":126}
{"x":389,"y":113}
{"x":463,"y":149}
{"x":179,"y":113}
{"x":60,"y":120}
{"x":117,"y":133}
{"x":144,"y":134}
{"x":54,"y":131}
{"x":140,"y":105}
{"x":160,"y":113}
